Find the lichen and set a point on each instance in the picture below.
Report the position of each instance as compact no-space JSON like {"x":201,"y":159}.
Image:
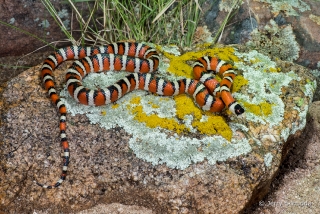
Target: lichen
{"x":12,"y":21}
{"x":156,"y":145}
{"x":152,"y":120}
{"x":315,"y":18}
{"x":229,"y":5}
{"x":298,"y":125}
{"x":310,"y":88}
{"x":265,"y":86}
{"x":238,"y":82}
{"x":268,"y":159}
{"x":45,"y":24}
{"x":316,"y":72}
{"x":63,"y":13}
{"x":287,"y":6}
{"x":278,"y":42}
{"x":179,"y":63}
{"x":64,"y":16}
{"x":191,"y":117}
{"x":262,"y":109}
{"x":214,"y":125}
{"x":211,"y":125}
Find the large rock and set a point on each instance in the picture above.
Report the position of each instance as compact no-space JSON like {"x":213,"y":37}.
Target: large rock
{"x":296,"y":188}
{"x":33,"y":18}
{"x":207,"y":169}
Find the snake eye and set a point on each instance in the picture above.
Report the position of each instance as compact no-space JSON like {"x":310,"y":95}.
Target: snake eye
{"x":238,"y":110}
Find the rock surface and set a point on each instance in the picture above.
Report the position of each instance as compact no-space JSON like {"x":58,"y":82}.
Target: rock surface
{"x":104,"y":169}
{"x":31,"y":26}
{"x":29,"y":153}
{"x":296,"y":188}
{"x":114,"y":208}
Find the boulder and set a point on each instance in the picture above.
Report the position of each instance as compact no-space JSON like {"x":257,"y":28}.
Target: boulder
{"x":158,"y":153}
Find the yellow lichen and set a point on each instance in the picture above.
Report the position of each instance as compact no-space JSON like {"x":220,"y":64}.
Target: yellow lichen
{"x":153,"y":120}
{"x":315,"y":18}
{"x":153,"y":105}
{"x":272,"y":69}
{"x":179,"y":66}
{"x":214,"y":125}
{"x":238,"y":82}
{"x":262,"y":109}
{"x":115,"y":105}
{"x":135,"y":100}
{"x":185,"y":106}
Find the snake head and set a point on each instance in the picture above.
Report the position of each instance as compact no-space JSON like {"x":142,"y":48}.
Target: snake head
{"x":236,"y":108}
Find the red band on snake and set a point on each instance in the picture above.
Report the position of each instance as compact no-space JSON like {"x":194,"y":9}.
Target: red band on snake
{"x":140,"y":59}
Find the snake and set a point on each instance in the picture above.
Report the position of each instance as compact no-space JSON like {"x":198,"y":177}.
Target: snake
{"x":141,"y":61}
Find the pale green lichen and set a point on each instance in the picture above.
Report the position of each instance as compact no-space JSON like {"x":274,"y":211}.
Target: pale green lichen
{"x":264,"y":85}
{"x":316,"y":72}
{"x":289,"y":7}
{"x":12,"y":21}
{"x":63,"y":13}
{"x":64,"y":16}
{"x":310,"y":88}
{"x":299,"y":125}
{"x":45,"y":24}
{"x":229,"y":5}
{"x":171,"y":49}
{"x":268,"y":159}
{"x":278,"y":42}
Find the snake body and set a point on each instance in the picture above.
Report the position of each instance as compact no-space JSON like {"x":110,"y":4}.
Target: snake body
{"x":141,"y":60}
